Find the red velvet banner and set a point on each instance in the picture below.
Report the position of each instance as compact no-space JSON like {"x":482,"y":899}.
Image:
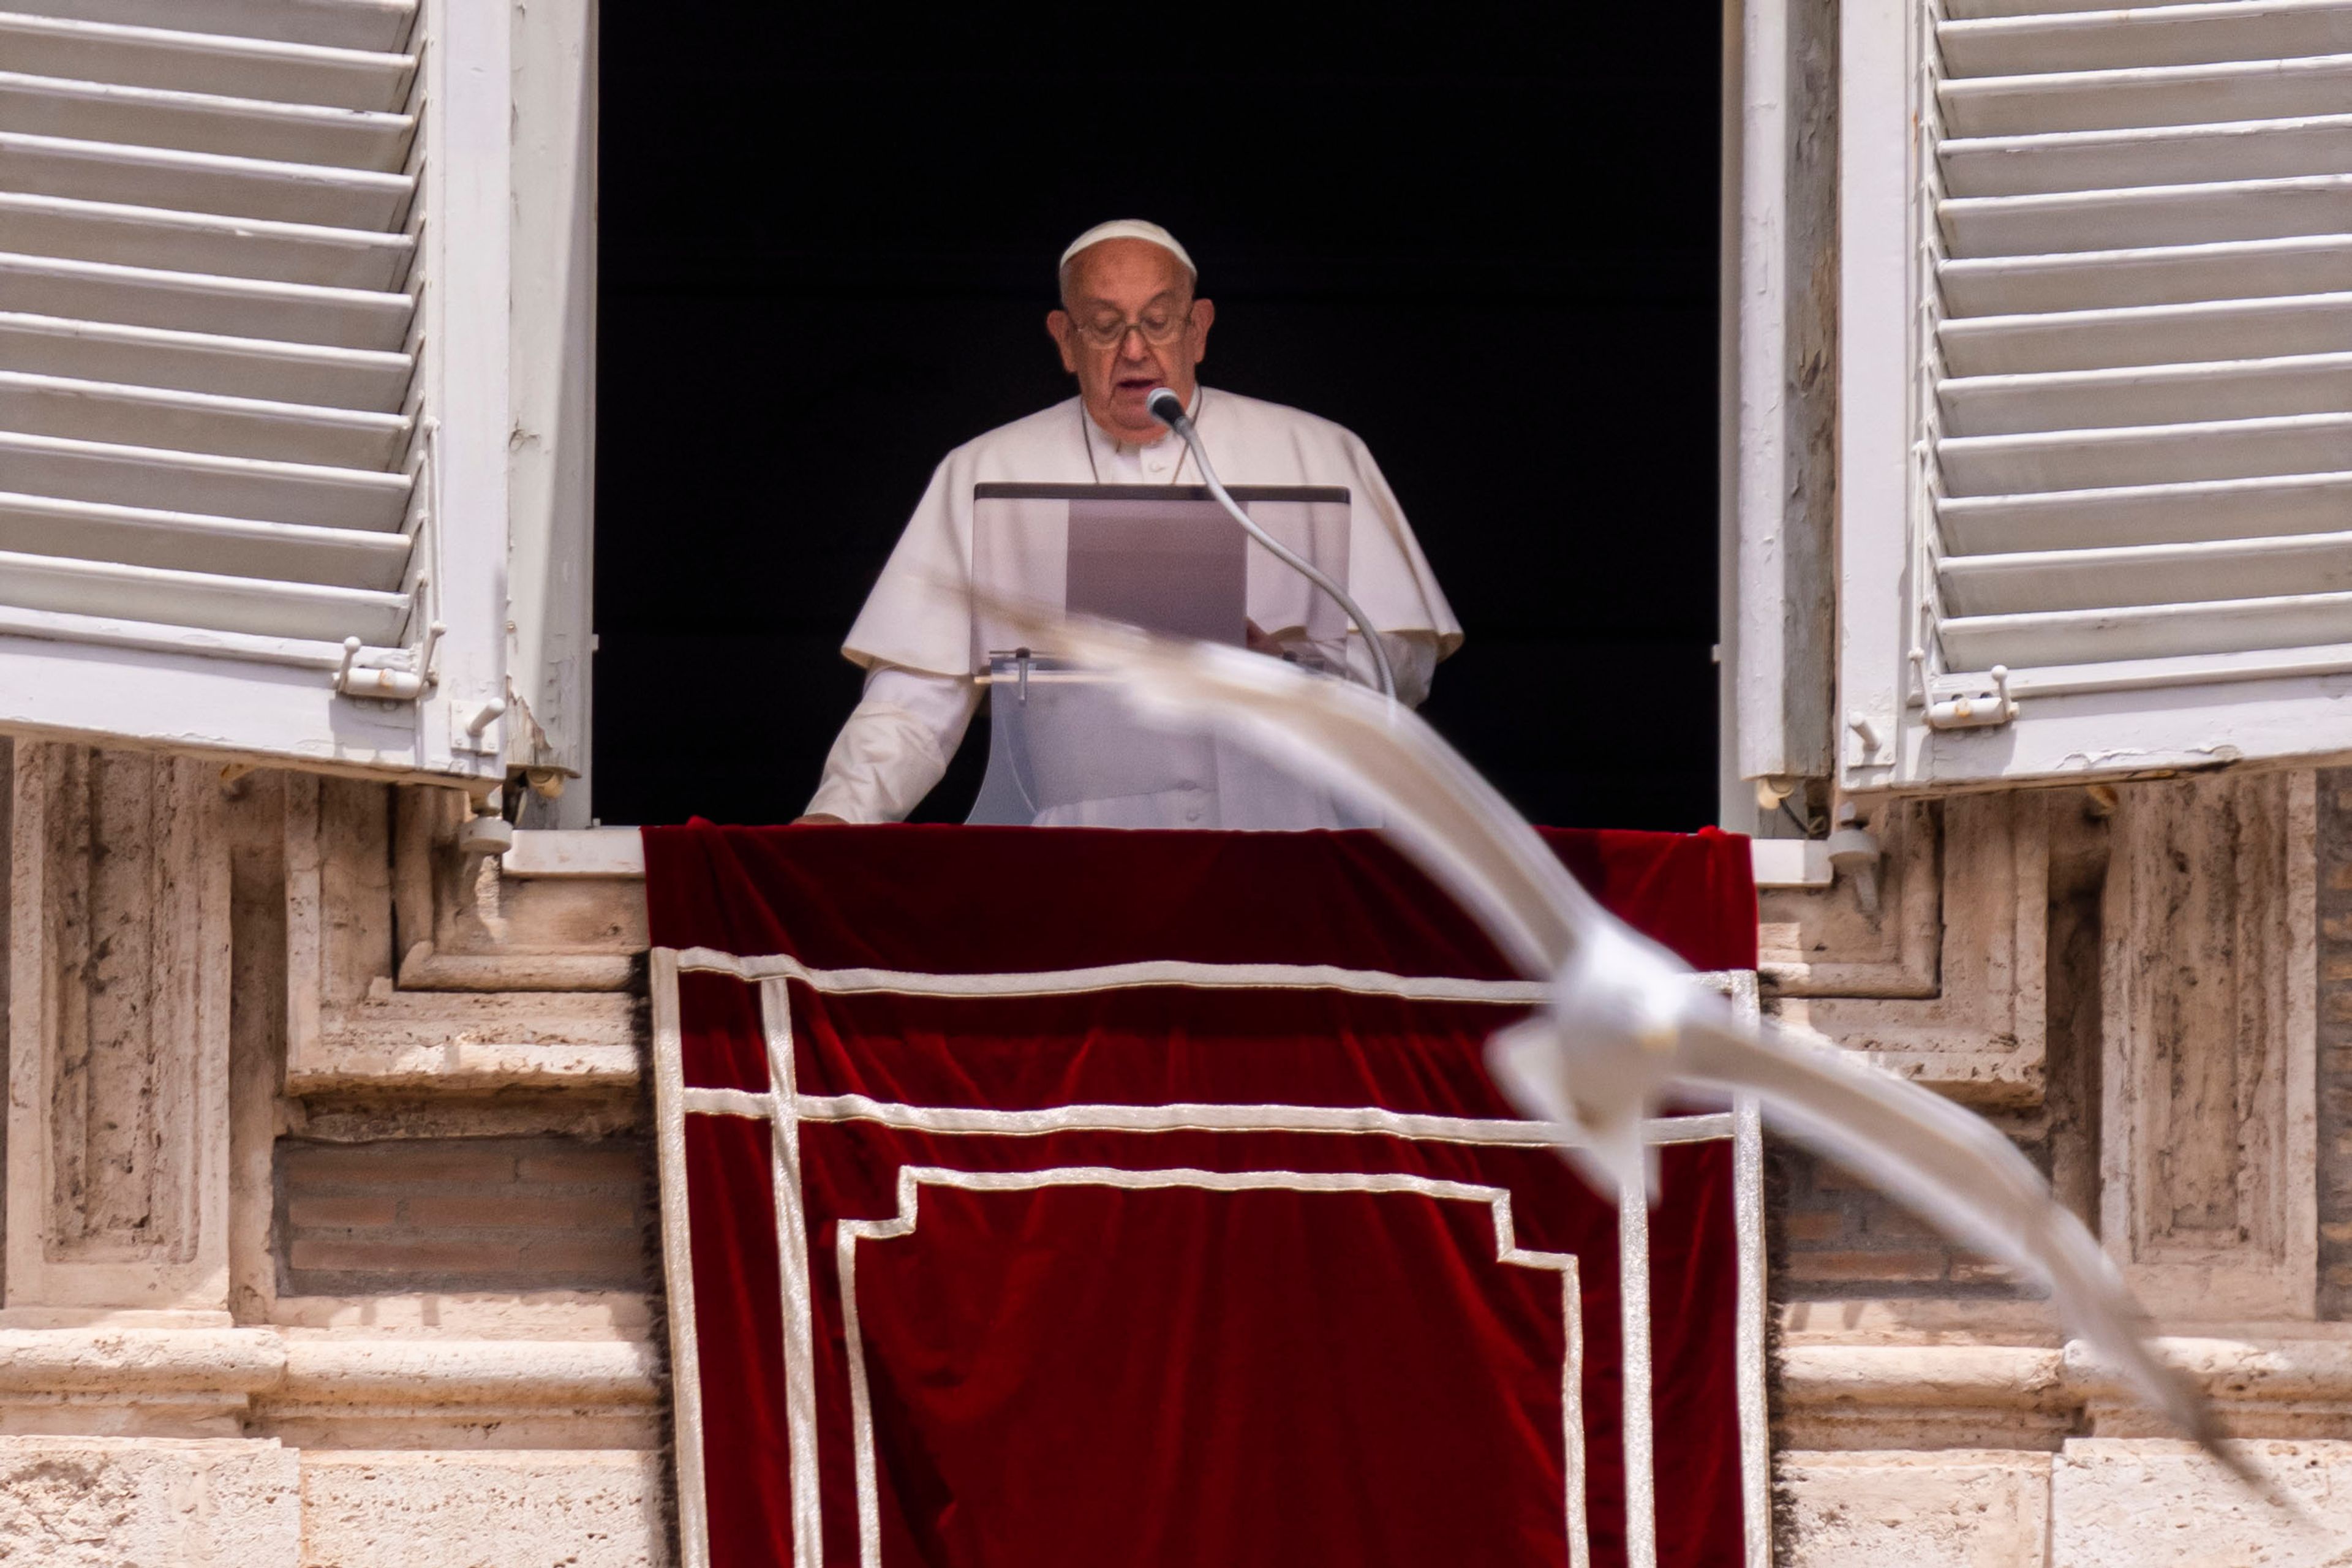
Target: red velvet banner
{"x":1065,"y":1197}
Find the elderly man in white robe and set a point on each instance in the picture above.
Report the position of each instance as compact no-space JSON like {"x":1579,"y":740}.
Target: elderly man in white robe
{"x":1130,"y":320}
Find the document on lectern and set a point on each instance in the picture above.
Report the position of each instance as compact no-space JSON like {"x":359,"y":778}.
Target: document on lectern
{"x":1062,"y":749}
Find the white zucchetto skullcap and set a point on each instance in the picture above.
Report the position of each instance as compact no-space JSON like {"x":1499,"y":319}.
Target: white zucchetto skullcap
{"x":1129,"y":228}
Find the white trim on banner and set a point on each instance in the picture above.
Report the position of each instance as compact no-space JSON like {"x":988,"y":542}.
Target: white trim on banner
{"x":1179,"y":973}
{"x":678,"y":1263}
{"x":792,"y":1268}
{"x":913,"y":1178}
{"x":1179,"y":1116}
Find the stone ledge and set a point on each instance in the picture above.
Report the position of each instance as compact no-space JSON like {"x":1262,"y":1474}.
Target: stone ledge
{"x":598,"y":852}
{"x":200,"y":1383}
{"x":2278,"y":1388}
{"x":506,"y":1373}
{"x":139,"y":1361}
{"x":456,"y":1041}
{"x":1925,"y":1397}
{"x":1892,"y":1397}
{"x":1992,"y":1376}
{"x":426,"y":968}
{"x":540,"y":1316}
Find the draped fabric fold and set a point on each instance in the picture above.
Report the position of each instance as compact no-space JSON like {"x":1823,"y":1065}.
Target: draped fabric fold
{"x":1060,"y":1197}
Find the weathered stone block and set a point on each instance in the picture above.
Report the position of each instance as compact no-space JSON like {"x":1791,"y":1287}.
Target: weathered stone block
{"x":527,"y":1509}
{"x":1953,"y":1509}
{"x":2209,"y":1078}
{"x":101,"y":1502}
{"x":2158,"y":1503}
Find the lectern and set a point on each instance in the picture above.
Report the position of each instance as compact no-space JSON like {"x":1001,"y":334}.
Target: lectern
{"x":1062,"y":749}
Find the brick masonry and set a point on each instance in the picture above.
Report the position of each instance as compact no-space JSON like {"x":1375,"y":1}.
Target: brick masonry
{"x":1839,"y":1236}
{"x":460,"y":1213}
{"x":2334,"y":804}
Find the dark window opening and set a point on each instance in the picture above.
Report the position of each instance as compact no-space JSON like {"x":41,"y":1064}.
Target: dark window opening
{"x":1488,"y":246}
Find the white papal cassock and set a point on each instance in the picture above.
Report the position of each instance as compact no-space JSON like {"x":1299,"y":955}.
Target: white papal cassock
{"x":914,"y":635}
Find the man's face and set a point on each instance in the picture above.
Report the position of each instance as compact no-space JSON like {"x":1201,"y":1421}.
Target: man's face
{"x":1129,"y":323}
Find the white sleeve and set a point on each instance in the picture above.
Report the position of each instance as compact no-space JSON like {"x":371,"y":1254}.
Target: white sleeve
{"x":1413,"y":655}
{"x":896,"y":744}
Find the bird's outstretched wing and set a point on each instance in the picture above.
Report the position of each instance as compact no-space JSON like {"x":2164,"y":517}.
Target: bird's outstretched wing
{"x":1624,"y":1024}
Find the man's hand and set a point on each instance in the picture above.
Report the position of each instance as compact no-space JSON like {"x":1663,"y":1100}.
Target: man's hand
{"x":820,"y":817}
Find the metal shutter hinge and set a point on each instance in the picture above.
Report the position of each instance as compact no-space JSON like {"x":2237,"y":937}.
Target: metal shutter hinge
{"x":1970,"y":701}
{"x":388,"y":683}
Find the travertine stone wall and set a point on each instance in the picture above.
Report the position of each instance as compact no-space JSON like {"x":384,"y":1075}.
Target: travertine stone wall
{"x":327,"y":1222}
{"x":1954,"y":1508}
{"x":2208,"y":1140}
{"x":304,"y":1265}
{"x":152,"y":1502}
{"x":567,"y":1509}
{"x":2153,"y":1503}
{"x":1982,"y":962}
{"x":2196,"y":964}
{"x":119,"y":1031}
{"x":1941,"y":977}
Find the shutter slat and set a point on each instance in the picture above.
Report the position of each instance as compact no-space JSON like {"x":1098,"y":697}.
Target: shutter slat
{"x":200,"y":422}
{"x":2148,"y":216}
{"x":188,"y":542}
{"x":2158,"y":631}
{"x":2119,"y":160}
{"x":204,"y":122}
{"x":1970,"y":10}
{"x":248,"y":488}
{"x":205,"y":303}
{"x":2160,"y":275}
{"x":2169,"y":35}
{"x":210,"y":63}
{"x":313,"y":194}
{"x":2201,"y":570}
{"x":204,"y":242}
{"x":2159,"y":95}
{"x":2148,"y":335}
{"x":2145,"y":514}
{"x":205,"y":362}
{"x":2156,"y":395}
{"x":2158,"y":454}
{"x":330,"y":24}
{"x":208,"y":601}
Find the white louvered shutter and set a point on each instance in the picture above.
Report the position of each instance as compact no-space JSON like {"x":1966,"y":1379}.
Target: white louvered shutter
{"x":253,"y":380}
{"x":2096,"y":307}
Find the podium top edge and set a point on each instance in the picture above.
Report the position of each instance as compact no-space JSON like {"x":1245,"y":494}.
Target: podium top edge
{"x":993,"y":491}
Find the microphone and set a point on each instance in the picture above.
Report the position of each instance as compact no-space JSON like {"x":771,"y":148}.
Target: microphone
{"x":1169,"y":409}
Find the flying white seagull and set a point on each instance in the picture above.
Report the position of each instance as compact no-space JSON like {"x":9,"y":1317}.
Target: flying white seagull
{"x":1624,"y":1027}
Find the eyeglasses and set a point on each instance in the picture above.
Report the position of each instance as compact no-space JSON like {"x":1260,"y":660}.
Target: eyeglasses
{"x":1159,"y":328}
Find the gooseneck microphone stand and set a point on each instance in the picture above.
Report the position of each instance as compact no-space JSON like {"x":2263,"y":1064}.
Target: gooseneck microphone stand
{"x":1169,"y":409}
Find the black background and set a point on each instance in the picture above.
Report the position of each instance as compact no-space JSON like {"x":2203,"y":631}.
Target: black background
{"x":1481,"y":235}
